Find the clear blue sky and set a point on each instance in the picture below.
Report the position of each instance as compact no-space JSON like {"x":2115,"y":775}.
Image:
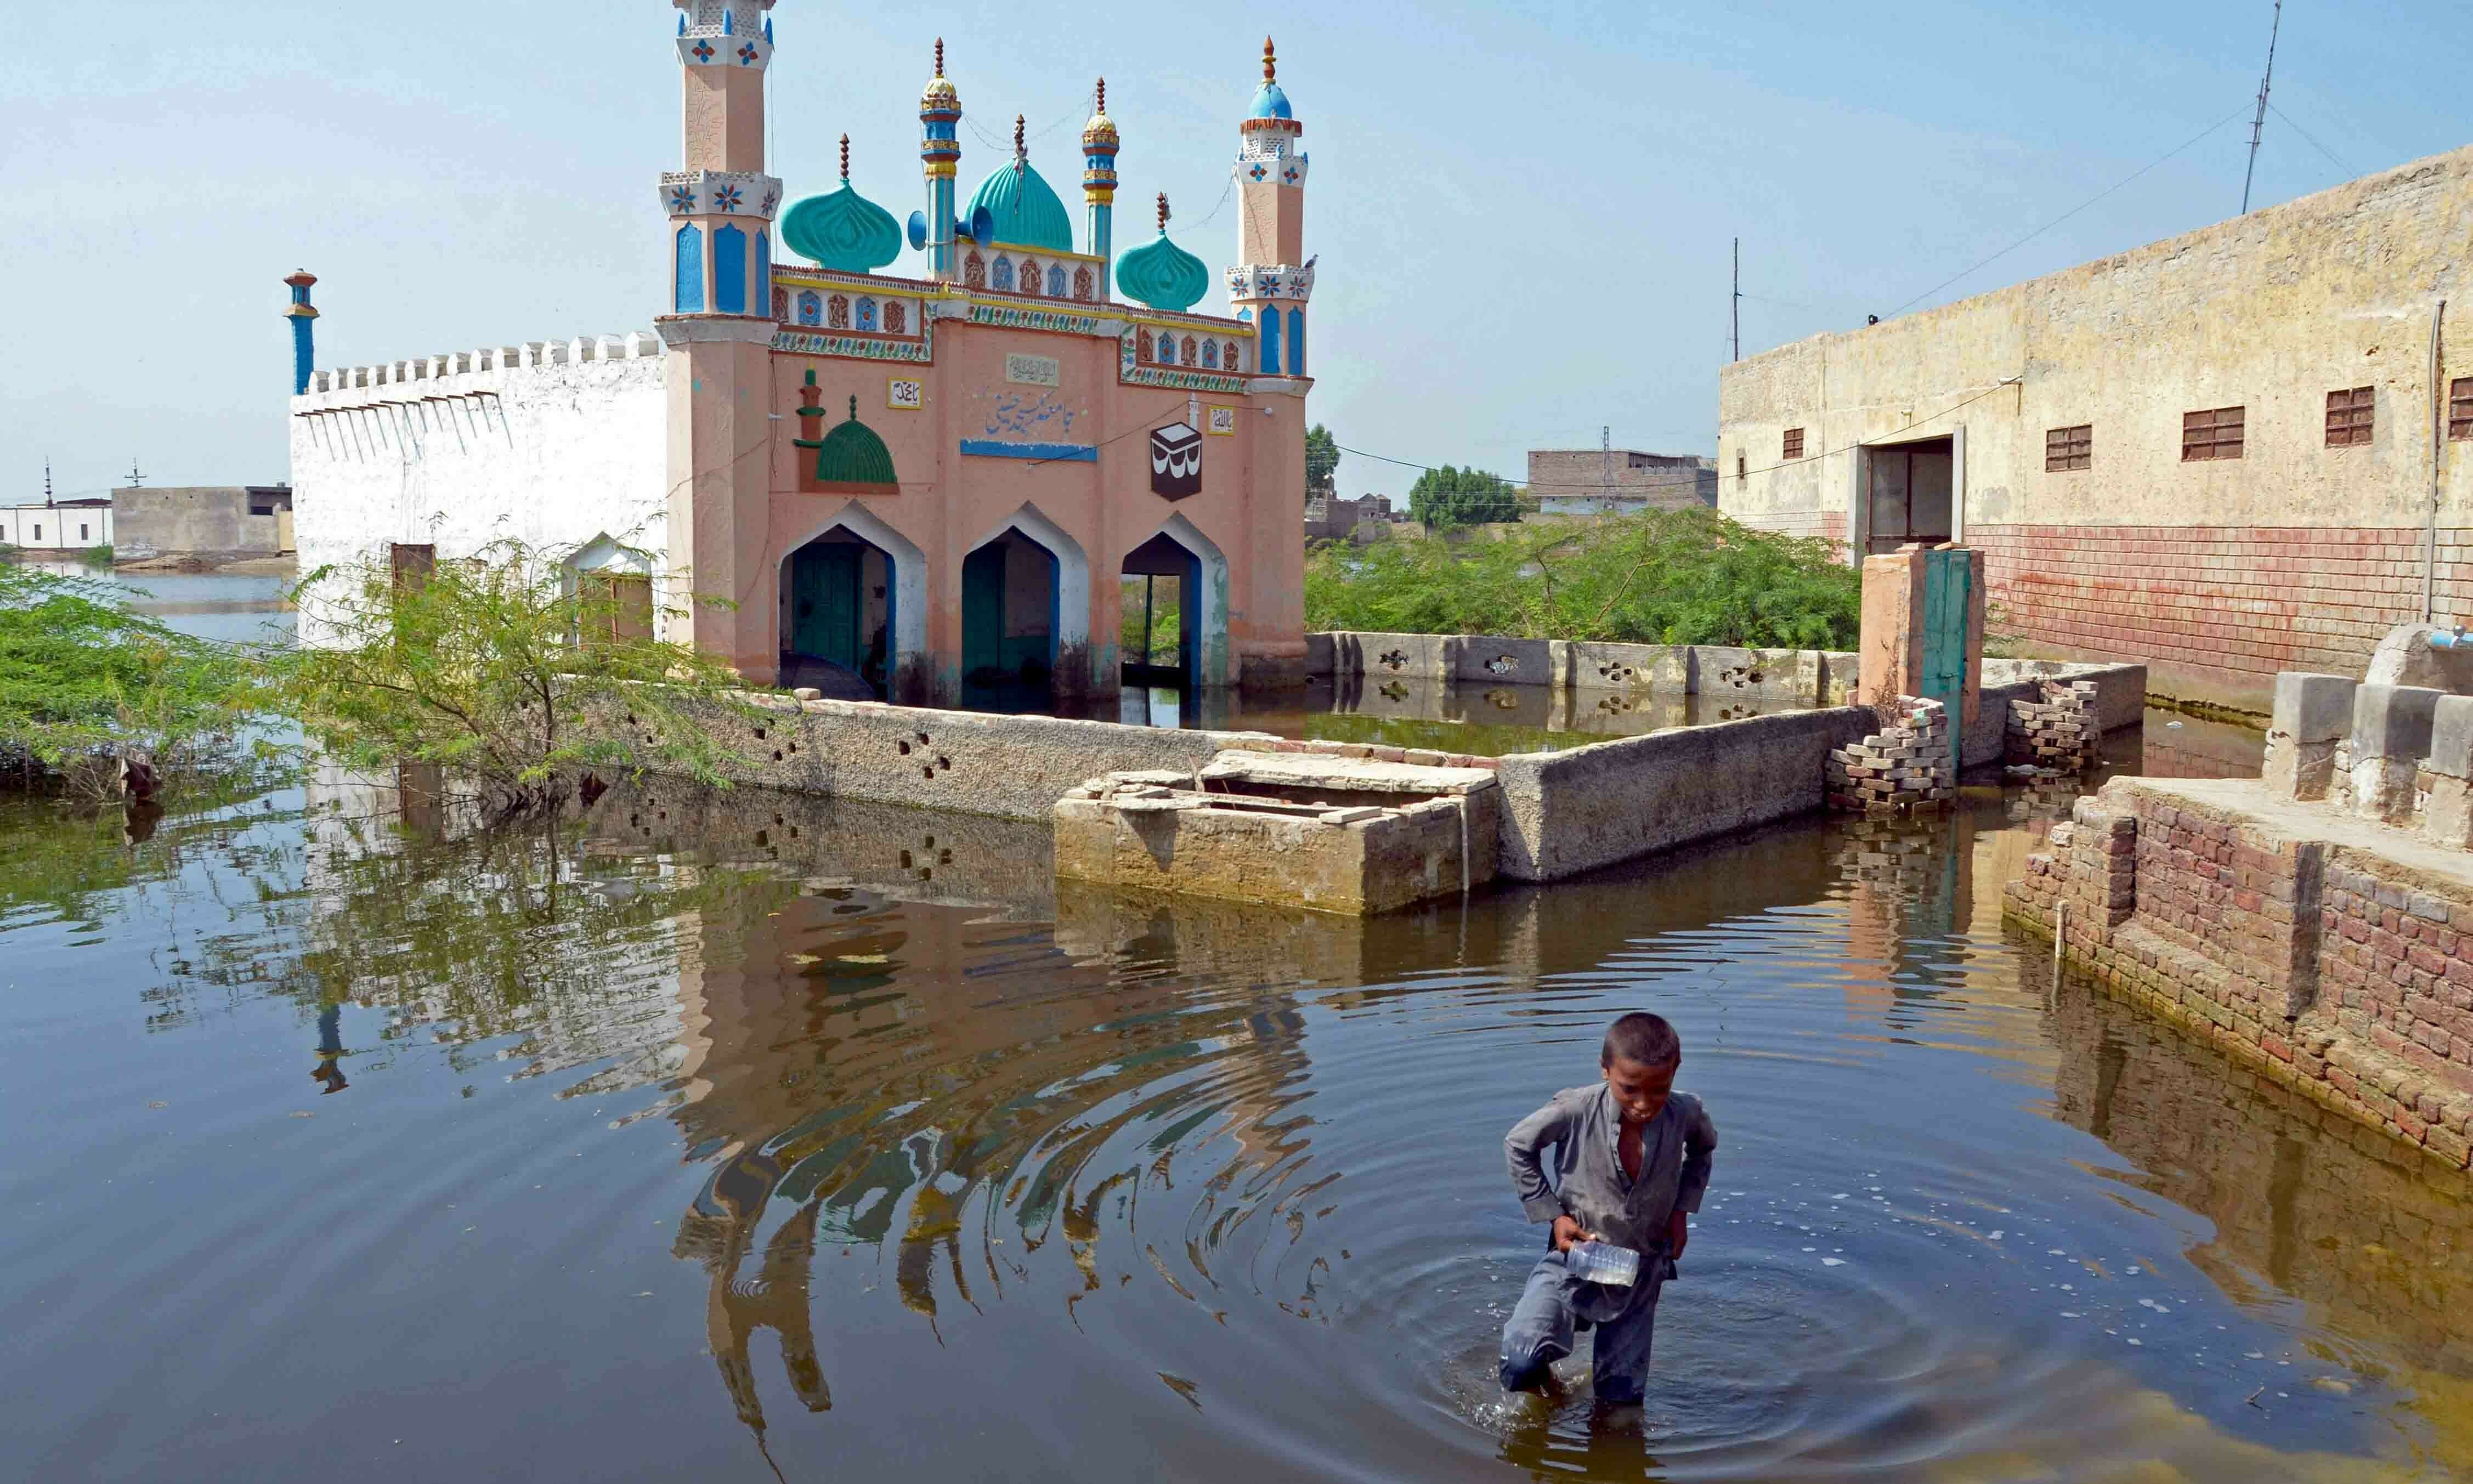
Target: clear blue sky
{"x":1522,"y":211}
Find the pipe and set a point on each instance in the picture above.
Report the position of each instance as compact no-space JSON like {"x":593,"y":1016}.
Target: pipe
{"x":2437,"y":452}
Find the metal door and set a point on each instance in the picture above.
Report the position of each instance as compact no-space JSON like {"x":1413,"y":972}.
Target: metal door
{"x":1948,"y":598}
{"x":823,"y":616}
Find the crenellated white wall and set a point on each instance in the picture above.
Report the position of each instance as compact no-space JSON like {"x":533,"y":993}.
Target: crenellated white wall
{"x":557,"y":443}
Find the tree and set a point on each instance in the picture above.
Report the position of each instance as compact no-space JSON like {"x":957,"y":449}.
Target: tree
{"x":506,"y":672}
{"x":1658,"y":576}
{"x":99,"y":694}
{"x":1322,"y":461}
{"x":1448,"y":496}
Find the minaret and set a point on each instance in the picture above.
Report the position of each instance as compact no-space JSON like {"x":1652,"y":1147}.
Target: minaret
{"x":721,"y":205}
{"x":940,"y":156}
{"x":719,"y":329}
{"x":303,"y":314}
{"x":1099,"y":188}
{"x":1272,"y":281}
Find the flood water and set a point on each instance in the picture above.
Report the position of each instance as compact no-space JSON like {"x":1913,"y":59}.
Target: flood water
{"x":743,"y":1136}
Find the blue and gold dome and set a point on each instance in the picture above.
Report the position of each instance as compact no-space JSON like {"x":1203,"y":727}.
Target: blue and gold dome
{"x":1269,"y":102}
{"x":1160,"y":274}
{"x":843,"y":229}
{"x":1023,"y":206}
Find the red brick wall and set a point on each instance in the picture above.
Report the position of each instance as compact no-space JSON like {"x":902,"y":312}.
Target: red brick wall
{"x":2249,"y":599}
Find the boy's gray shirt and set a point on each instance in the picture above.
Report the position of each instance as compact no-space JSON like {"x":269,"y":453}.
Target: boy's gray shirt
{"x":1678,"y":1150}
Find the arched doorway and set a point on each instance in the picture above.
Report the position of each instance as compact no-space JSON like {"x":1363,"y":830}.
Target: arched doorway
{"x":853,"y":609}
{"x":1174,"y":612}
{"x":1010,"y":620}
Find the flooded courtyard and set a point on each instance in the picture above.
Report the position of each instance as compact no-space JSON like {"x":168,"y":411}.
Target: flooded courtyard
{"x":744,"y":1136}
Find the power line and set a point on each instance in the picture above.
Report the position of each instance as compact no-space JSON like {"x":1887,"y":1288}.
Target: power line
{"x":1656,"y":483}
{"x":2313,"y":142}
{"x":2072,"y":211}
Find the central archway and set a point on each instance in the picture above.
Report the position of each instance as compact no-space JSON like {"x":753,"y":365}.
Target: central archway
{"x":1025,"y":614}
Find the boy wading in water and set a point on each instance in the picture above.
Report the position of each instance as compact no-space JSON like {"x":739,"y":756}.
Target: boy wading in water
{"x":1632,"y":1157}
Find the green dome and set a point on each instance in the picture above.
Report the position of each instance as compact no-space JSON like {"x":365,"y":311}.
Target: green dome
{"x":1161,"y":275}
{"x":842,"y":230}
{"x":1026,"y":211}
{"x":850,"y":458}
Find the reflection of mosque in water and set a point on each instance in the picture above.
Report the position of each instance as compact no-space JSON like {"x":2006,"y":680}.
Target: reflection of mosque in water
{"x":867,"y":1070}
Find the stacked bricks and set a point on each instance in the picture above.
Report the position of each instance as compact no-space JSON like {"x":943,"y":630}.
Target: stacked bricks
{"x":1415,"y":756}
{"x":1904,"y":767}
{"x":2337,"y":971}
{"x":2058,"y":732}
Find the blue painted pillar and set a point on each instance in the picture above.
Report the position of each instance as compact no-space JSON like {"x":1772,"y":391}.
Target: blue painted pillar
{"x":302,"y":315}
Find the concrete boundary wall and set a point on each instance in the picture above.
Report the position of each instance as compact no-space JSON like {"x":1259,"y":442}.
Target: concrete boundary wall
{"x":1815,"y":677}
{"x":1568,"y":812}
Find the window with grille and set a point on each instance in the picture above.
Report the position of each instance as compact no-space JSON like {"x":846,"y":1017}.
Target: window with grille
{"x":410,"y":565}
{"x":2213,"y":434}
{"x":1739,"y":467}
{"x":1793,"y":448}
{"x":2459,"y":407}
{"x":2069,"y":448}
{"x":2348,"y":417}
{"x":618,"y":606}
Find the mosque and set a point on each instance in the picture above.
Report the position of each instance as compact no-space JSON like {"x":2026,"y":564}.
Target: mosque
{"x":942,"y":481}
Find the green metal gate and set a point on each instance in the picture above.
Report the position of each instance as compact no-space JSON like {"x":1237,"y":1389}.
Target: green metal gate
{"x":1949,"y":600}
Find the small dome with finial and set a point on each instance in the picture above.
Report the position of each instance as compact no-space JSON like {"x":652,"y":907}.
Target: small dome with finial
{"x":1160,"y":274}
{"x":842,"y":229}
{"x":1269,"y":102}
{"x":1102,"y":132}
{"x":939,"y":95}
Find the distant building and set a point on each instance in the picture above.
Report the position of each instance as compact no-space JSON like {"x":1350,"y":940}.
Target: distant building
{"x":1331,"y":518}
{"x":56,"y":525}
{"x":2229,"y":453}
{"x":1619,"y":481}
{"x":204,"y":520}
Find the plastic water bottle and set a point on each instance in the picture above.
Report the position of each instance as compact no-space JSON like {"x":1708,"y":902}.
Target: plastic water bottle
{"x":1603,"y":1262}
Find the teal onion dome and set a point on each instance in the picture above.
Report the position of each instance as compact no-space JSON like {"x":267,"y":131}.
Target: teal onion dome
{"x":1024,"y":207}
{"x":1160,"y":274}
{"x":843,"y":229}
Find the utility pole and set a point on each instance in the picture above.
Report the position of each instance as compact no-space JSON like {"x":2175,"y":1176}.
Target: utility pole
{"x":47,"y":483}
{"x":2258,"y":120}
{"x":1606,"y":451}
{"x":1735,"y":305}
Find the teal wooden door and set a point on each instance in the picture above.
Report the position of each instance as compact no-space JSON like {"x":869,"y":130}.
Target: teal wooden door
{"x":983,"y":610}
{"x":1949,"y":597}
{"x":824,"y":598}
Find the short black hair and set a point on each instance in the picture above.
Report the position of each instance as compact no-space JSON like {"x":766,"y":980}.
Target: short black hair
{"x":1644,"y":1037}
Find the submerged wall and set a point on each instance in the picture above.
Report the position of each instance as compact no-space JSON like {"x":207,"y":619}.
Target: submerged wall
{"x":2329,"y":951}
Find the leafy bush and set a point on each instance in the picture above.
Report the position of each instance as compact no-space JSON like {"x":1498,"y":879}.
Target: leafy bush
{"x":85,"y":680}
{"x":505,"y":674}
{"x":1659,"y":577}
{"x":1446,"y":497}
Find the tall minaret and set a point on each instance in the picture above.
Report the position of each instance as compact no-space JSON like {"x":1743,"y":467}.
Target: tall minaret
{"x":721,"y":205}
{"x":1272,"y":281}
{"x":719,"y":330}
{"x":303,"y":314}
{"x":1099,"y":189}
{"x":940,"y":156}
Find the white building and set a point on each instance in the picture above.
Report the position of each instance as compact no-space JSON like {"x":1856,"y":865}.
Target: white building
{"x":60,"y":526}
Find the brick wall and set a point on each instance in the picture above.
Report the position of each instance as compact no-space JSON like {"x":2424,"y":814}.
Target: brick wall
{"x":2343,"y":973}
{"x":2249,"y":599}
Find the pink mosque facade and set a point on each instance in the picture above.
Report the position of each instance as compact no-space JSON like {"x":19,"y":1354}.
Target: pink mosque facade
{"x":941,"y":480}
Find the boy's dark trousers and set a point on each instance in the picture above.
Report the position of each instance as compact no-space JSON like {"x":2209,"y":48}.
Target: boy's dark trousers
{"x":1554,"y":1303}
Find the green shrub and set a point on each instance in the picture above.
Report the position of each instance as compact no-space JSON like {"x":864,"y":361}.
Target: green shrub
{"x":1659,"y":577}
{"x":84,"y":679}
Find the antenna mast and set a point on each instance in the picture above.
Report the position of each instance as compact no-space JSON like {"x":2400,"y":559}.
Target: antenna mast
{"x":2258,"y":120}
{"x":1735,"y":305}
